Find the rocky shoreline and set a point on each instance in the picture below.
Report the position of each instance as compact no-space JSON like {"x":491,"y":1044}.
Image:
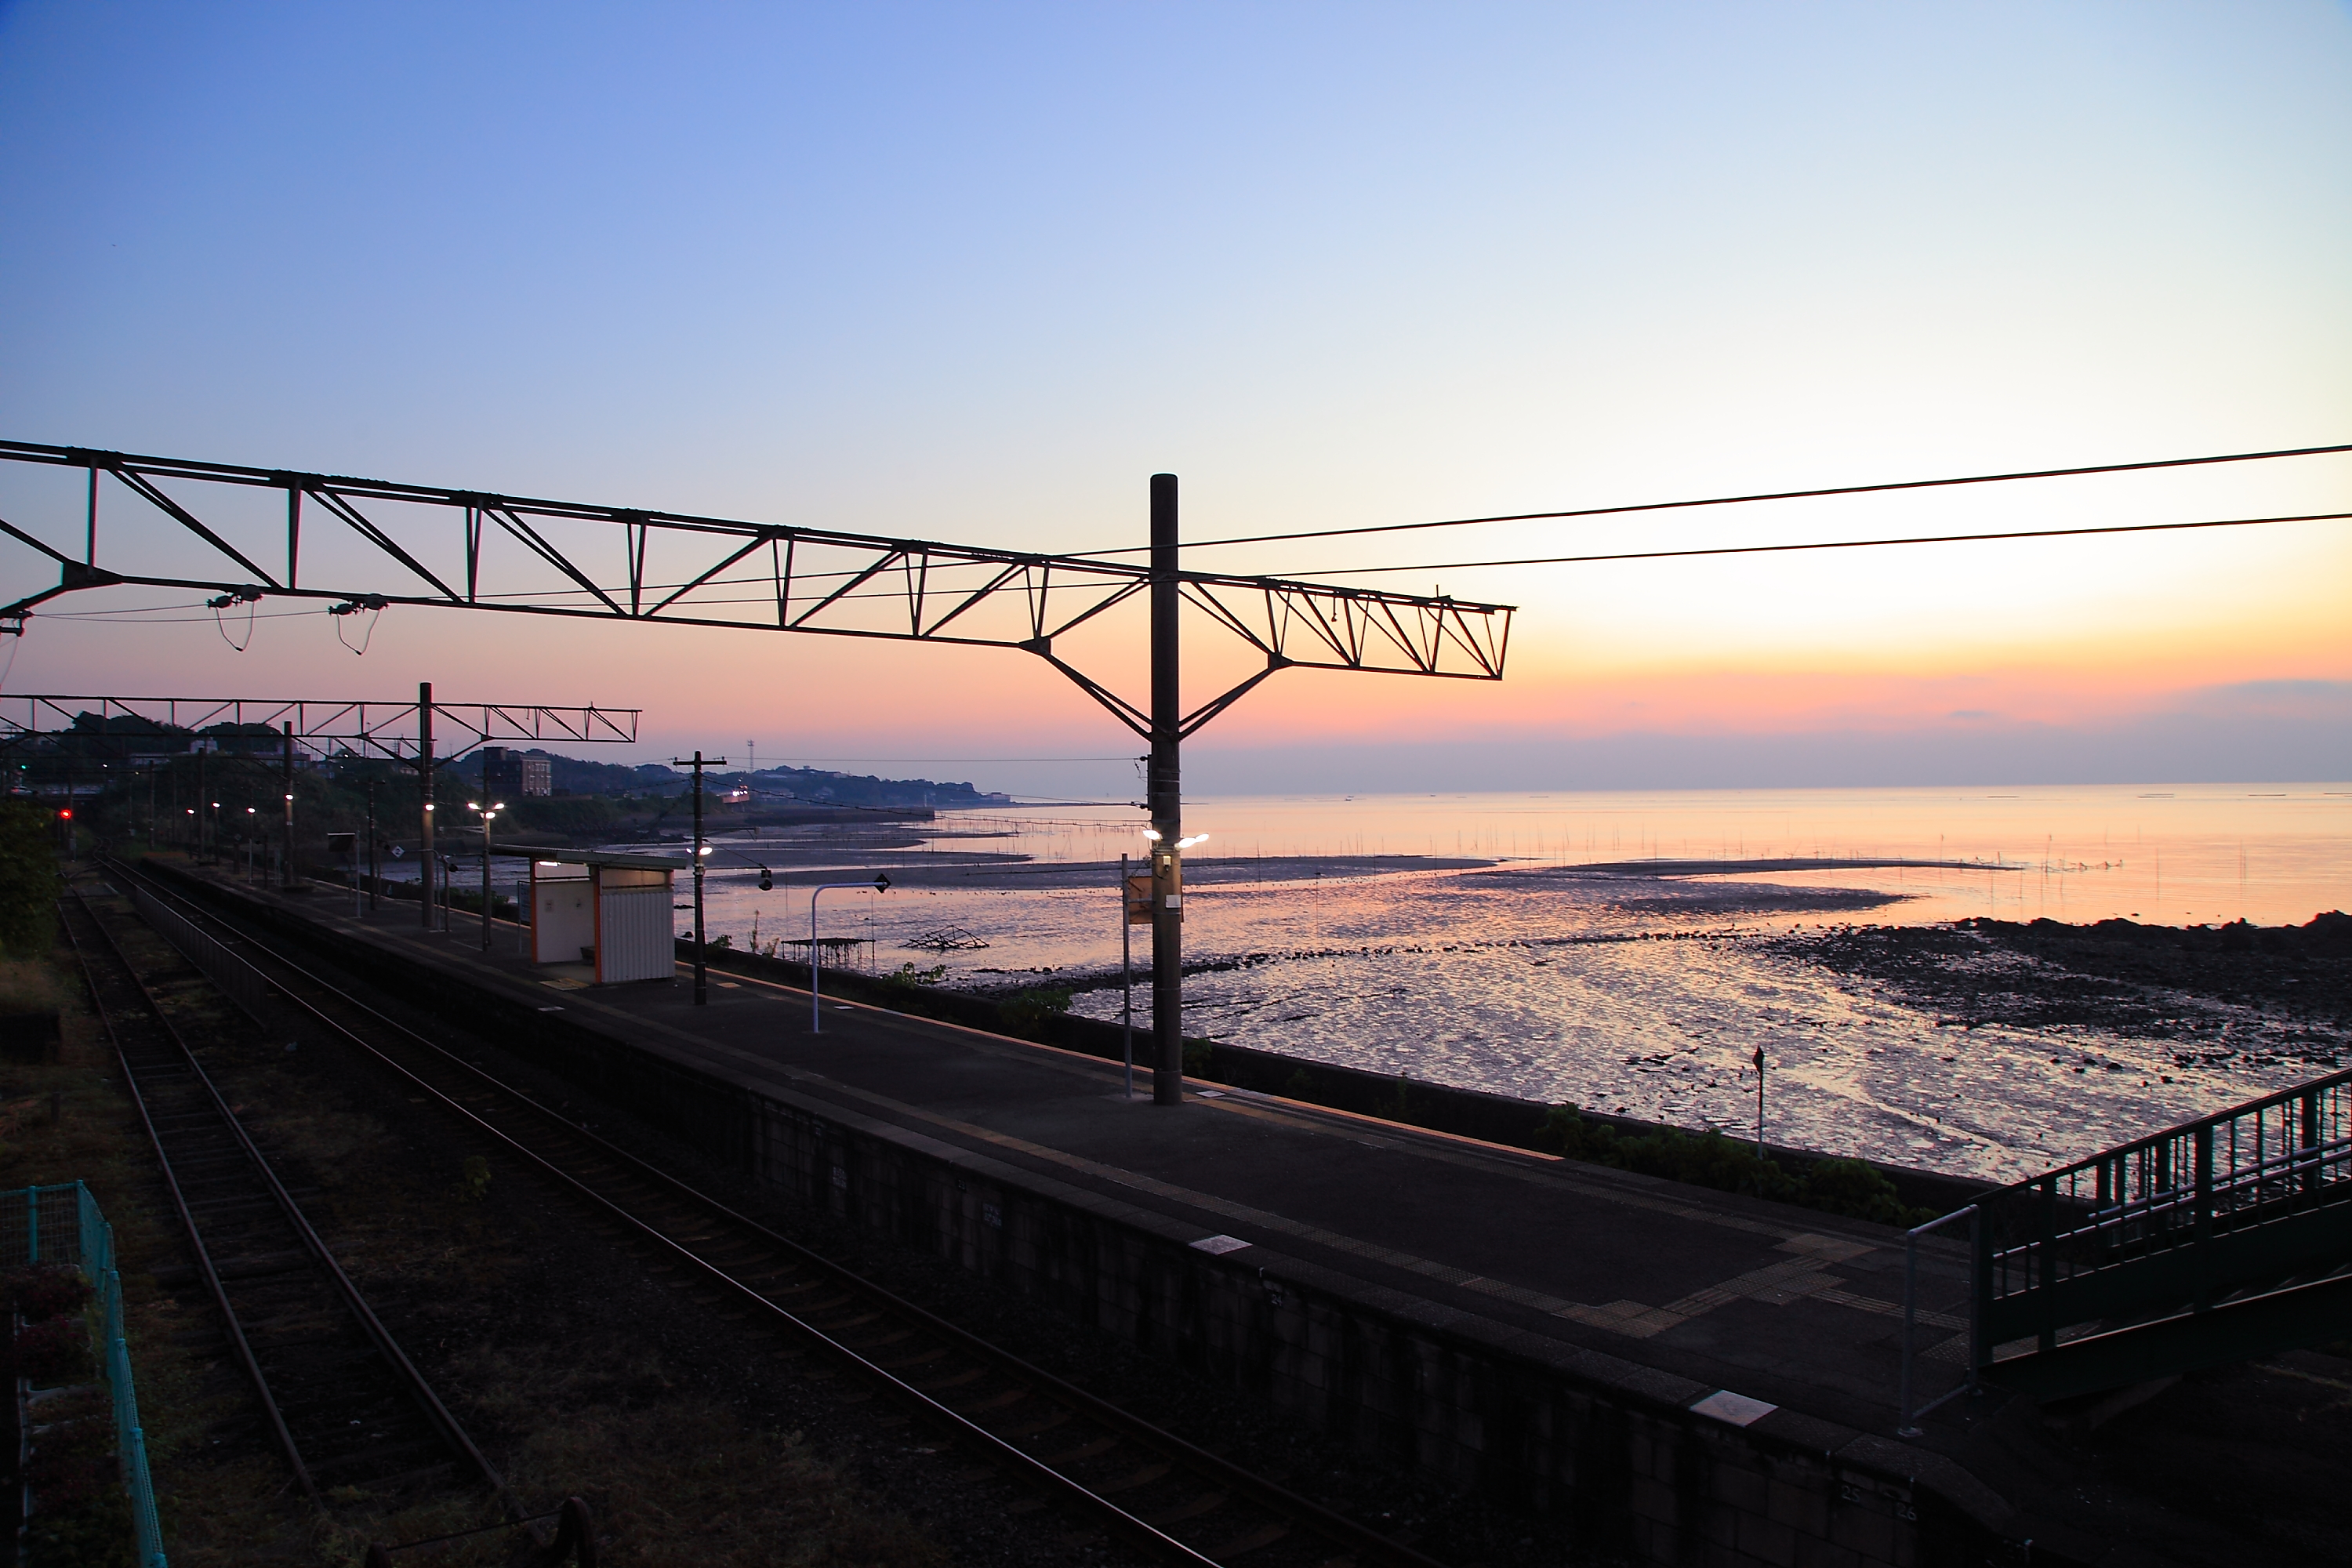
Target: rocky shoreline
{"x":2238,"y":993}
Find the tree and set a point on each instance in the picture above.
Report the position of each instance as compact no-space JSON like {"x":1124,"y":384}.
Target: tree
{"x":28,"y":879}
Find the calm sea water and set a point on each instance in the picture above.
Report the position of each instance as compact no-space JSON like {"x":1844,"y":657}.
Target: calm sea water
{"x":1640,"y":994}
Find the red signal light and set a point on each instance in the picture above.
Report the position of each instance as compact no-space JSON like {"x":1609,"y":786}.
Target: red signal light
{"x":64,"y":814}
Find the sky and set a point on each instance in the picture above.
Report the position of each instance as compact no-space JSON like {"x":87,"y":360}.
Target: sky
{"x":976,"y":273}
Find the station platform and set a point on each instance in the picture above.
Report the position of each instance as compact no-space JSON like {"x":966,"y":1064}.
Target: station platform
{"x":1780,"y":1323}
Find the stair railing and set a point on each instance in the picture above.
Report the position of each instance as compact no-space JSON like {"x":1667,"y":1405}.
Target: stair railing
{"x":2174,"y":1216}
{"x":1910,"y":1426}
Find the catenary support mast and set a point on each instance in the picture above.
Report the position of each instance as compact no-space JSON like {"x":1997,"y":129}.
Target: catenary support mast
{"x":425,"y":784}
{"x":1164,"y":799}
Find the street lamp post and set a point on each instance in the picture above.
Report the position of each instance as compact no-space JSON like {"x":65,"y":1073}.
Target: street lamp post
{"x":881,"y":884}
{"x":488,"y":814}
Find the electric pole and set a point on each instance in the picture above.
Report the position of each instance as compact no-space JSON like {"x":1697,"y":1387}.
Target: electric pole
{"x":285,"y":879}
{"x":371,"y":846}
{"x":424,"y":783}
{"x":702,"y":971}
{"x":1163,"y":797}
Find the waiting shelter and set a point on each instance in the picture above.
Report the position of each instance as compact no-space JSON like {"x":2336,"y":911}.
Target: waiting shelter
{"x":609,"y":909}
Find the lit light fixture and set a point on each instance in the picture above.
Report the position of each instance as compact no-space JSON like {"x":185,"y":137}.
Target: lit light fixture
{"x":549,"y":863}
{"x":1152,"y":834}
{"x":1188,"y":843}
{"x":704,"y":850}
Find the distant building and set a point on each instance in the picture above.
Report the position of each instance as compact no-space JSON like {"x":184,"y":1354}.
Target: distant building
{"x":508,"y":775}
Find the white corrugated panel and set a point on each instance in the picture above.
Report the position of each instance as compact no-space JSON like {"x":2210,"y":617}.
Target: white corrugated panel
{"x":633,"y":935}
{"x":562,"y":916}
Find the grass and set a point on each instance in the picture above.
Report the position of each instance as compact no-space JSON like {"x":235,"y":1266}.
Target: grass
{"x":29,"y":986}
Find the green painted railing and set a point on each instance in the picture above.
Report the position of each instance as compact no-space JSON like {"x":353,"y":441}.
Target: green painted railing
{"x":63,"y":1224}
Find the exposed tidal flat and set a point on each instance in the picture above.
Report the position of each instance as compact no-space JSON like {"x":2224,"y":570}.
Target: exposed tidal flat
{"x":1630,"y":951}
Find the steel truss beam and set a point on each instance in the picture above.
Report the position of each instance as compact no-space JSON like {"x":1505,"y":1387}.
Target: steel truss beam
{"x":387,"y":729}
{"x":718,"y":571}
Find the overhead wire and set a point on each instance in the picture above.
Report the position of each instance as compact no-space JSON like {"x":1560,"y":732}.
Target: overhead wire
{"x":1832,"y":544}
{"x":1743,"y":500}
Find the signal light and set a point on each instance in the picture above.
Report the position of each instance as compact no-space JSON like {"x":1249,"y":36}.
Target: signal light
{"x":767,"y":880}
{"x":64,"y":814}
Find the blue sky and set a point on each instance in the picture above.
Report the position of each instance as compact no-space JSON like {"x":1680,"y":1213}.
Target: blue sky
{"x":974,"y":272}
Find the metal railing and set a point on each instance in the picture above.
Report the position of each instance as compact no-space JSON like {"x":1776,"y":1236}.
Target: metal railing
{"x":62,"y":1225}
{"x":1909,"y":1427}
{"x":2183,"y":1213}
{"x":221,"y":965}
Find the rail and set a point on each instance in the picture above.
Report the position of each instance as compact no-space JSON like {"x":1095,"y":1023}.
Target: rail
{"x":87,"y":1240}
{"x":215,"y":957}
{"x":469,"y":1104}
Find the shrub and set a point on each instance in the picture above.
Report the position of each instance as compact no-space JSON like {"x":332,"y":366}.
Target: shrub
{"x":1848,"y":1187}
{"x":1026,"y":1012}
{"x":474,"y":1180}
{"x":28,"y":879}
{"x":44,"y":1290}
{"x":28,"y":985}
{"x":81,"y":1517}
{"x":907,"y":977}
{"x":1851,"y":1188}
{"x":54,"y":1353}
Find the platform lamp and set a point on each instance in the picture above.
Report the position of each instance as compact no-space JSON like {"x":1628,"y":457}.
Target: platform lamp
{"x":881,"y":884}
{"x":486,"y":813}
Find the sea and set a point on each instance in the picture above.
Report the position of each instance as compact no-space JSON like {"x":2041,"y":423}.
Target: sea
{"x":1624,"y":951}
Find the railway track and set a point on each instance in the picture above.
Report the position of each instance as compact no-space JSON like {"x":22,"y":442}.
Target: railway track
{"x":1061,"y":1445}
{"x":339,"y":1399}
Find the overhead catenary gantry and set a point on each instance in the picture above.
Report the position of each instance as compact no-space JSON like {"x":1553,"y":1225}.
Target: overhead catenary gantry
{"x":379,"y":729}
{"x":432,"y":546}
{"x":400,"y":730}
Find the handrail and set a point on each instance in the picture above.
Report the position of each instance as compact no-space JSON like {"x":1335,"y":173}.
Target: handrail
{"x":2185,"y":1129}
{"x":2282,"y":1154}
{"x":1910,"y":1418}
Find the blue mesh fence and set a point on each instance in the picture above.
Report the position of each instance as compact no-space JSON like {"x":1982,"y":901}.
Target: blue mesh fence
{"x":63,"y":1224}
